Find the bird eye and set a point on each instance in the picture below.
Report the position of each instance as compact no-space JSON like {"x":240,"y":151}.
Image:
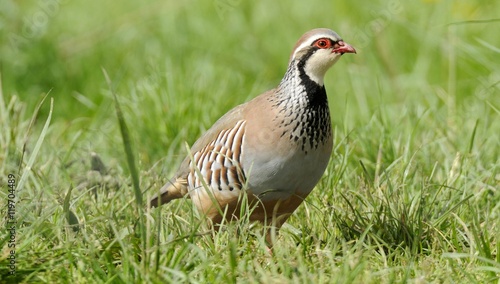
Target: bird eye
{"x":323,"y":43}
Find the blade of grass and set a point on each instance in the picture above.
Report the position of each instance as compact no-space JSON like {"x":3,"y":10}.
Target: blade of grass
{"x":3,"y":115}
{"x":471,"y":143}
{"x":70,"y":216}
{"x":127,"y":144}
{"x":38,"y":144}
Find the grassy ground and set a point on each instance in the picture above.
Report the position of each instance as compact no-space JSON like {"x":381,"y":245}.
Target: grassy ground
{"x":411,"y":194}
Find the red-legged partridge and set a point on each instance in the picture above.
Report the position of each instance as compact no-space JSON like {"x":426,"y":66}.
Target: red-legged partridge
{"x":274,"y":148}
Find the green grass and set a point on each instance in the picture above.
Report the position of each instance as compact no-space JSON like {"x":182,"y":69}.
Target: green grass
{"x":411,"y":194}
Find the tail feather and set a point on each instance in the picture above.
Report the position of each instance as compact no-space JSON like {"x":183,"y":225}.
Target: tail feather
{"x":176,"y":188}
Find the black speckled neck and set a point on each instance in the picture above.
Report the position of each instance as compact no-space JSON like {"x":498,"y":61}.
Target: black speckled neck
{"x":303,"y":114}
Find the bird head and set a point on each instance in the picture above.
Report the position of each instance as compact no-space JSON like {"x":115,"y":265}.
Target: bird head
{"x":317,"y":50}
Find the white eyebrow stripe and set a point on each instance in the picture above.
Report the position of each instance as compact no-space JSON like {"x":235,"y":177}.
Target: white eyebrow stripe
{"x":310,"y":40}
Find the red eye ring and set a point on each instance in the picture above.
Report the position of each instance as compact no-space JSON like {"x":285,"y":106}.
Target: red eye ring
{"x":323,"y":43}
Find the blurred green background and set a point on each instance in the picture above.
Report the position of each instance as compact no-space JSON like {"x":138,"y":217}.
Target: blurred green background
{"x":62,"y":45}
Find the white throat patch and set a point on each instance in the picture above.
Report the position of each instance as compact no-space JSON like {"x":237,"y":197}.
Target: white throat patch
{"x":317,"y":65}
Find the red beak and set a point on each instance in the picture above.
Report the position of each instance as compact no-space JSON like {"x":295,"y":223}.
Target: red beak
{"x":342,"y":47}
